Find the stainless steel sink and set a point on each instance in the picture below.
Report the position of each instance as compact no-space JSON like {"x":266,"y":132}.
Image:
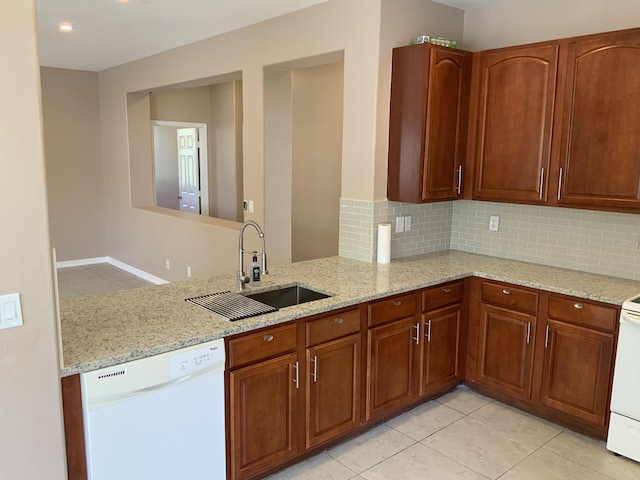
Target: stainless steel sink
{"x":287,"y":296}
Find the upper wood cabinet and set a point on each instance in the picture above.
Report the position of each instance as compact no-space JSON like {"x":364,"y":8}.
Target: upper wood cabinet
{"x":599,"y":147}
{"x":513,"y":105}
{"x":428,"y":123}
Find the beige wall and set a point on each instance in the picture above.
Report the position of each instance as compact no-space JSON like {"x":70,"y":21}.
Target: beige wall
{"x":31,"y":440}
{"x":517,"y":22}
{"x":71,"y":114}
{"x":145,"y":239}
{"x":317,"y":97}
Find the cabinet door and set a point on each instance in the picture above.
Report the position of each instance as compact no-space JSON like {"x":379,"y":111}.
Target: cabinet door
{"x":393,"y":365}
{"x":600,"y":143}
{"x":333,"y":388}
{"x":262,"y":415}
{"x":506,"y":348}
{"x":577,"y":371}
{"x":441,"y":363}
{"x":513,"y":123}
{"x":428,"y":123}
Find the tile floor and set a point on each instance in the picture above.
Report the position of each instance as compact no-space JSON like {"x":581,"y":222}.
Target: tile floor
{"x":466,"y":435}
{"x":460,"y":435}
{"x":93,"y":279}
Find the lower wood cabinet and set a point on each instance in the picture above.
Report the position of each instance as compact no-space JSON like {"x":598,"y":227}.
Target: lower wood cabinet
{"x":263,"y":416}
{"x":547,"y":353}
{"x":578,"y":359}
{"x":444,"y":337}
{"x":263,"y":386}
{"x":506,"y":349}
{"x":291,"y":388}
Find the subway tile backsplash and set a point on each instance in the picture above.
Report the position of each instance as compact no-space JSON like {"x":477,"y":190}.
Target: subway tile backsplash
{"x":598,"y":242}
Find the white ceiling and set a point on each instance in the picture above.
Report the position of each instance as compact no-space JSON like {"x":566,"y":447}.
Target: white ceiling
{"x":112,"y":32}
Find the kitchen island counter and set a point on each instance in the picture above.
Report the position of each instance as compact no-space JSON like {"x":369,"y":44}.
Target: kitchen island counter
{"x":109,"y":329}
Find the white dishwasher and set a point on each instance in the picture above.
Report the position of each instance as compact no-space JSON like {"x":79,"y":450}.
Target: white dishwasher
{"x":159,"y":418}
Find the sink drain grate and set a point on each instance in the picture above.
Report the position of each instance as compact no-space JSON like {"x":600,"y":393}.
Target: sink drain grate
{"x":232,"y":306}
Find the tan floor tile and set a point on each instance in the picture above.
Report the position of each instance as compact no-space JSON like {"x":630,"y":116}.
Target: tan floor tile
{"x":424,"y":420}
{"x":546,"y":465}
{"x":464,"y":400}
{"x":480,"y":447}
{"x":420,"y":463}
{"x":593,"y":454}
{"x":370,"y":448}
{"x":517,"y":423}
{"x":320,"y":467}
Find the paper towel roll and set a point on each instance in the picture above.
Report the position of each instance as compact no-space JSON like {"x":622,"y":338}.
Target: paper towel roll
{"x":384,"y":243}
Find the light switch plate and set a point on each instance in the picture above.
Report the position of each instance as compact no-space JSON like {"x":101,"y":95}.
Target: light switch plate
{"x":10,"y":311}
{"x":407,"y":223}
{"x":399,"y":224}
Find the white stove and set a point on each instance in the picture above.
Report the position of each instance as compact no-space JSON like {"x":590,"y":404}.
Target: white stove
{"x":624,"y":426}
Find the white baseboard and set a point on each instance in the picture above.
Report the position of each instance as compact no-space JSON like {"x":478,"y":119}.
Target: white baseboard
{"x":82,"y":262}
{"x":116,"y":263}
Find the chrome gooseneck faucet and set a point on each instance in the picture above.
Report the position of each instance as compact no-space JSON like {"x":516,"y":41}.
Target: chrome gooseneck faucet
{"x":242,"y":278}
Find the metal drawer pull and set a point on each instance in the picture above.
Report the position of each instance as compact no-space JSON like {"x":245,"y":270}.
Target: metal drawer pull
{"x":528,"y":332}
{"x":546,"y":337}
{"x":446,"y":290}
{"x":506,"y":292}
{"x":459,"y":189}
{"x":268,"y":338}
{"x":579,"y":306}
{"x":417,"y":337}
{"x":397,"y":303}
{"x":338,"y":321}
{"x":314,"y":374}
{"x":295,"y":380}
{"x":428,"y":334}
{"x":541,"y":182}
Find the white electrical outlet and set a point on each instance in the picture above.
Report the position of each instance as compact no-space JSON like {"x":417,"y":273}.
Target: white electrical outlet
{"x":494,"y":223}
{"x":188,"y":272}
{"x":399,"y":224}
{"x":167,"y":264}
{"x":407,"y":223}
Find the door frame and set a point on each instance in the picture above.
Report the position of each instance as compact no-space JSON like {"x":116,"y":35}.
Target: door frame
{"x":203,"y":159}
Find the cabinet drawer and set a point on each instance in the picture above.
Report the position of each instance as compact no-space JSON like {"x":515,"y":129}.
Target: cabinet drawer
{"x":332,"y":327}
{"x":582,"y":312}
{"x":393,"y":309}
{"x":261,"y":345}
{"x":442,"y":295}
{"x":509,"y":296}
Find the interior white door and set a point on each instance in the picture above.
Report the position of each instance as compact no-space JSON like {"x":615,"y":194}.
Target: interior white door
{"x":189,"y":170}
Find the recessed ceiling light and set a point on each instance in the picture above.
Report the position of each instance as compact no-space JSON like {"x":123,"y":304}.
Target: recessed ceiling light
{"x":65,"y":27}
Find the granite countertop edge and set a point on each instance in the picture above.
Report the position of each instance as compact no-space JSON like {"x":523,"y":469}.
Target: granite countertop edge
{"x":105,"y":330}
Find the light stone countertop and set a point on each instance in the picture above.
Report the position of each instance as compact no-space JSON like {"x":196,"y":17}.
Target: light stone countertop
{"x":104,"y":330}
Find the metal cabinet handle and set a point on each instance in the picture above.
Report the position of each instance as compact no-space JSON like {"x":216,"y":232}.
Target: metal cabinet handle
{"x":541,"y":182}
{"x":546,"y":337}
{"x":268,"y":338}
{"x":314,"y":374}
{"x":296,"y":379}
{"x":528,"y":332}
{"x":446,"y":290}
{"x":417,"y":337}
{"x":579,"y":306}
{"x":428,"y":334}
{"x":506,"y":292}
{"x":397,"y":303}
{"x":459,"y":189}
{"x":338,"y":321}
{"x":560,"y":184}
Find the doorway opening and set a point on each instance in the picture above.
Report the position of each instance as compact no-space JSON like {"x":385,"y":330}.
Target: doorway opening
{"x":180,"y":166}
